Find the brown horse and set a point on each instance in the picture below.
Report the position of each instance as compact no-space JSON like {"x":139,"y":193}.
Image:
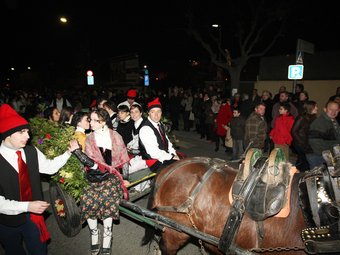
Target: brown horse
{"x":211,"y":206}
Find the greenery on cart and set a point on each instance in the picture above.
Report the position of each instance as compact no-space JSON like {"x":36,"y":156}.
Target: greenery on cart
{"x":53,"y":139}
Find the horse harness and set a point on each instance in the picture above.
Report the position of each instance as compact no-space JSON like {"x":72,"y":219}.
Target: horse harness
{"x":261,"y":191}
{"x":319,"y":192}
{"x":214,"y":164}
{"x":245,"y":196}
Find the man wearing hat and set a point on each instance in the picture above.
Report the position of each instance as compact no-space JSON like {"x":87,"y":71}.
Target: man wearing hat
{"x":155,"y":146}
{"x":21,"y":198}
{"x":131,"y":98}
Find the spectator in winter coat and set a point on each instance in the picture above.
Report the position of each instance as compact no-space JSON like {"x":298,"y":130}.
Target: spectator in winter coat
{"x":280,"y":134}
{"x":284,"y":97}
{"x":222,"y":120}
{"x":186,"y":103}
{"x":300,"y":134}
{"x":299,"y":103}
{"x":324,"y":133}
{"x":209,"y":117}
{"x":237,"y":126}
{"x":59,"y":102}
{"x":268,"y":101}
{"x":256,"y":128}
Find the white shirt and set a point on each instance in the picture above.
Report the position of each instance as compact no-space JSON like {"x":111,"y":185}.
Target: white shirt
{"x":59,"y":103}
{"x":114,"y":119}
{"x":46,"y":166}
{"x":134,"y":143}
{"x":103,"y":138}
{"x":149,"y":140}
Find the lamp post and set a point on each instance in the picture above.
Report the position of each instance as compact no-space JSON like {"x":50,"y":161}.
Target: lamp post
{"x":78,"y":36}
{"x":219,"y":27}
{"x":219,"y":72}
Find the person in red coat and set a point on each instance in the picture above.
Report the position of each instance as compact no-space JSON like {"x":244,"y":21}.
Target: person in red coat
{"x":281,"y":132}
{"x":222,"y":120}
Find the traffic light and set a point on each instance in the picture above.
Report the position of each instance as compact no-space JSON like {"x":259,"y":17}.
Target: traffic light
{"x":90,"y":77}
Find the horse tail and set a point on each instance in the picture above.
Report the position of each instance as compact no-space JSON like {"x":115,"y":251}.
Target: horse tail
{"x":149,"y":235}
{"x":150,"y":231}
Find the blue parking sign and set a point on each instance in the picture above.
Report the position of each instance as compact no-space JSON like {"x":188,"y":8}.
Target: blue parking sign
{"x":295,"y":72}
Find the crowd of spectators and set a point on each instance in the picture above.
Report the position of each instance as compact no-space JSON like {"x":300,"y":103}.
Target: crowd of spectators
{"x":207,"y":111}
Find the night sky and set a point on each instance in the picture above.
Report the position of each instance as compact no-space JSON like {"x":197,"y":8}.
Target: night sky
{"x":32,"y":33}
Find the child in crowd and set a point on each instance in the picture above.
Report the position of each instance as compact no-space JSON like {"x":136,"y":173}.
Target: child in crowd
{"x":237,"y":129}
{"x":281,"y":132}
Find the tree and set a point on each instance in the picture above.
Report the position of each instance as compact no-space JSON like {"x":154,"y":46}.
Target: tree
{"x":256,"y":28}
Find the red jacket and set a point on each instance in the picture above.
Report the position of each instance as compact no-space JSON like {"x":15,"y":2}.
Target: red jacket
{"x":223,"y":117}
{"x":280,"y":134}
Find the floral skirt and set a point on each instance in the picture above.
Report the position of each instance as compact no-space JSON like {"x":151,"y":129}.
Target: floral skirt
{"x":101,"y":200}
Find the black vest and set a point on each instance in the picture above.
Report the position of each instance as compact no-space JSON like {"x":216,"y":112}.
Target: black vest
{"x":9,"y":184}
{"x":113,"y":116}
{"x":160,"y":142}
{"x":125,"y":129}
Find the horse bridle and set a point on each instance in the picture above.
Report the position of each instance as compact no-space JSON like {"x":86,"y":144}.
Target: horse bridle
{"x":185,"y":207}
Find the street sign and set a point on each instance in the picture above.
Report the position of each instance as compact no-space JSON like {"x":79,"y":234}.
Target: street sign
{"x":305,"y":46}
{"x":146,"y":80}
{"x":90,"y":80}
{"x":299,"y":59}
{"x":295,"y":72}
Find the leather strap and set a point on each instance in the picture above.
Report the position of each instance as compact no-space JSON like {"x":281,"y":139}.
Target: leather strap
{"x":185,"y":207}
{"x":313,"y":199}
{"x":239,"y":204}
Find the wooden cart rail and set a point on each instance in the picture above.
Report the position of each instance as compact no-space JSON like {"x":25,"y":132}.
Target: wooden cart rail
{"x":158,"y":221}
{"x":137,"y":178}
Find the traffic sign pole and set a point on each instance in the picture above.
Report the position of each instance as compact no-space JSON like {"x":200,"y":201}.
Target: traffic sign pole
{"x":301,"y":47}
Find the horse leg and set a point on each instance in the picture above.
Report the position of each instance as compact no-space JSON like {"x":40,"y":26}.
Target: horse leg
{"x":172,"y":241}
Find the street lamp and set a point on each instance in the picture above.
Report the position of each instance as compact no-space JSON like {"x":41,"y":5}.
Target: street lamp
{"x":219,"y":39}
{"x":63,"y":19}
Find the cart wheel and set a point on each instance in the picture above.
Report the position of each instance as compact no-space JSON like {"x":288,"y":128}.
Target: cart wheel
{"x":67,"y":213}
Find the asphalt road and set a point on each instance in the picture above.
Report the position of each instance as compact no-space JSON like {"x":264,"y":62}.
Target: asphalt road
{"x":127,"y":233}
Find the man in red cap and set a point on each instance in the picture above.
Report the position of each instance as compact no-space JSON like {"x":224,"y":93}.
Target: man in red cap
{"x":155,"y":146}
{"x":131,"y":98}
{"x":21,"y":198}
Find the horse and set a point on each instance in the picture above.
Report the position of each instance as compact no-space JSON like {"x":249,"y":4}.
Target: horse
{"x":210,"y":207}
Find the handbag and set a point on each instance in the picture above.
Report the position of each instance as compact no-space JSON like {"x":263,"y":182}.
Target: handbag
{"x":191,"y":116}
{"x":228,"y":139}
{"x":95,"y":175}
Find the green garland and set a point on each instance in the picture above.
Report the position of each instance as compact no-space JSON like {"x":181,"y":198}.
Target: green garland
{"x":53,"y":140}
